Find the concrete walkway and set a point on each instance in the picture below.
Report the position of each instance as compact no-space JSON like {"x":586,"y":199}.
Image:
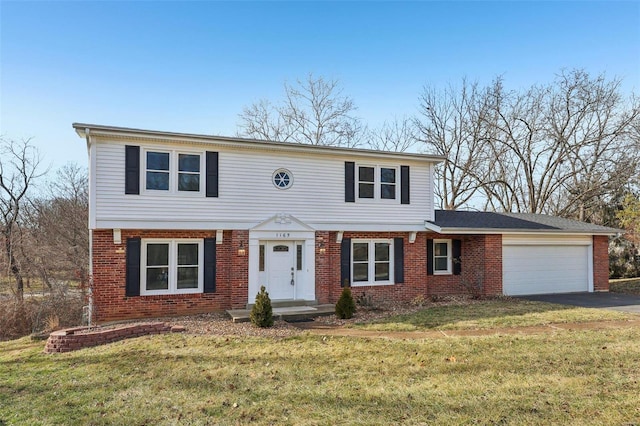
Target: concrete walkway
{"x":330,"y":330}
{"x":615,"y":301}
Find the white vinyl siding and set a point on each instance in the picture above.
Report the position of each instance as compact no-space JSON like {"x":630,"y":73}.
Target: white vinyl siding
{"x":248,"y":196}
{"x":536,"y":265}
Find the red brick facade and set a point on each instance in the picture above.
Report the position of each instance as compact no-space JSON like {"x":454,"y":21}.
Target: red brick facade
{"x":481,"y":272}
{"x":600,"y":263}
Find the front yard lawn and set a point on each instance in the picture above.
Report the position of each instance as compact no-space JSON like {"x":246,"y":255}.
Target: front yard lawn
{"x":498,"y":313}
{"x":586,"y":377}
{"x":559,"y":377}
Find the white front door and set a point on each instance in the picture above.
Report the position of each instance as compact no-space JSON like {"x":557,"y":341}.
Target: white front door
{"x":281,"y":269}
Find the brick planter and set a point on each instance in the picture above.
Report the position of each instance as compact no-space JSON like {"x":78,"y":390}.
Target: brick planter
{"x":72,"y":339}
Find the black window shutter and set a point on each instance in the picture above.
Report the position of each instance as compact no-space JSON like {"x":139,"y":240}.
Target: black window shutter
{"x":349,"y":181}
{"x":131,"y":169}
{"x":404,"y":185}
{"x":398,"y":260}
{"x":456,"y":252}
{"x":209,"y":265}
{"x":345,"y":263}
{"x":212,"y":174}
{"x":429,"y":257}
{"x":132,"y":286}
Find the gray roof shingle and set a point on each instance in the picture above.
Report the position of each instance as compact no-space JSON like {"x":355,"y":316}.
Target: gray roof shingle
{"x":526,"y":222}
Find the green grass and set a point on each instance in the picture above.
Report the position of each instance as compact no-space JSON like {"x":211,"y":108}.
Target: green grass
{"x":492,"y":314}
{"x":627,"y":286}
{"x":587,"y":377}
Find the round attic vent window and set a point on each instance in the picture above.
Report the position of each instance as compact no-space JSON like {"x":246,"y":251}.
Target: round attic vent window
{"x":282,"y":179}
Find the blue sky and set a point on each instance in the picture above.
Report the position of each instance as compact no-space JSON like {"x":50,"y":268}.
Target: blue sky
{"x":192,"y":66}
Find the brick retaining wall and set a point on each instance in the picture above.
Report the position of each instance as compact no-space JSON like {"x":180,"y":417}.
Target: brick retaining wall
{"x":72,"y":339}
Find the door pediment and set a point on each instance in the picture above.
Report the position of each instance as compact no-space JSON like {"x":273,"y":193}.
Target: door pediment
{"x":282,"y":222}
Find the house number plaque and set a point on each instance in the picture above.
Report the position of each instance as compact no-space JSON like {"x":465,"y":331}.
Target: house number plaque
{"x":282,"y":234}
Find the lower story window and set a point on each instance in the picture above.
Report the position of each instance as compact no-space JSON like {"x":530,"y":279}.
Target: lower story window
{"x":171,"y":266}
{"x":442,"y":257}
{"x":371,"y":262}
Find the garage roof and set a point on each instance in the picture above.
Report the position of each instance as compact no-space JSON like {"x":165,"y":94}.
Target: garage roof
{"x":469,"y":222}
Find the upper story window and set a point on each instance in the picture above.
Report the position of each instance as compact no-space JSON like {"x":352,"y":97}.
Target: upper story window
{"x":376,"y":182}
{"x":188,"y":172}
{"x":174,"y":172}
{"x":158,"y":171}
{"x":282,"y":179}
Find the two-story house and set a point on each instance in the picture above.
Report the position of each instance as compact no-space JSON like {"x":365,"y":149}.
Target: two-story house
{"x":184,"y":223}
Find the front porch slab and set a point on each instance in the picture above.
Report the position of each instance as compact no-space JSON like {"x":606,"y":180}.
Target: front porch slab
{"x":287,"y":313}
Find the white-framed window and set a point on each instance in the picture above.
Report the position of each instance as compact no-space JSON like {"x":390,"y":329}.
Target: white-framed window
{"x":282,"y":179}
{"x":442,"y":257}
{"x":377,"y":182}
{"x":174,"y":172}
{"x":171,"y":266}
{"x":371,"y":262}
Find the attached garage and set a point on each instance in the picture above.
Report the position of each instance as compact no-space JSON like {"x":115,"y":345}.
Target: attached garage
{"x":536,"y":253}
{"x":546,"y":264}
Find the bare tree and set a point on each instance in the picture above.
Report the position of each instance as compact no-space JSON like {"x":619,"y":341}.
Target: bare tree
{"x":399,"y":135}
{"x":57,"y":223}
{"x":560,"y":147}
{"x":19,"y":168}
{"x":455,"y":123}
{"x":313,"y":111}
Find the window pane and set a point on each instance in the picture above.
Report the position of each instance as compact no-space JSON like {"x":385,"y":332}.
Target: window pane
{"x":299,"y":258}
{"x":157,"y":255}
{"x":157,"y":161}
{"x":365,"y":190}
{"x":261,"y":262}
{"x":440,"y":264}
{"x":188,"y":182}
{"x":188,"y":277}
{"x":157,"y":279}
{"x":360,"y":252}
{"x":382,"y":252}
{"x":188,"y":163}
{"x":365,"y":174}
{"x":382,"y":271}
{"x":158,"y":180}
{"x":440,"y":249}
{"x":388,"y":192}
{"x":188,"y":254}
{"x":387,"y":175}
{"x":360,"y":272}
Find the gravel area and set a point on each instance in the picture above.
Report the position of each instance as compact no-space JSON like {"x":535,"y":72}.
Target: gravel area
{"x":220,"y":324}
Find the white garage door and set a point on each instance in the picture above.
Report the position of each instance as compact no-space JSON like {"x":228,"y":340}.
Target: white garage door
{"x":545,"y":268}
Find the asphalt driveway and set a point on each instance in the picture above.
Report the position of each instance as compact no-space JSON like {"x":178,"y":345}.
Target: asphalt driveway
{"x":615,"y":301}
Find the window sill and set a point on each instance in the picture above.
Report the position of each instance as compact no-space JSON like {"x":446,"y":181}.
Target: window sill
{"x":170,"y":293}
{"x":372,"y":284}
{"x":442,"y":273}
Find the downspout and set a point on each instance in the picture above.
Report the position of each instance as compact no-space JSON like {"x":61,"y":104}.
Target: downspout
{"x":90,"y":292}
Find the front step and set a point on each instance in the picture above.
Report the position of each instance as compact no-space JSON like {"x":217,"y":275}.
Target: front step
{"x":288,"y":303}
{"x":287,"y":313}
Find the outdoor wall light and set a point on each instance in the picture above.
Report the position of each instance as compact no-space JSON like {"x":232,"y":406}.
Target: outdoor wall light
{"x":322,"y":248}
{"x":241,"y":250}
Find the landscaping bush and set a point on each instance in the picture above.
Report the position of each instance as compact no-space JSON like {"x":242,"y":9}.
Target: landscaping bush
{"x":262,"y":312}
{"x":346,"y":307}
{"x":57,"y":309}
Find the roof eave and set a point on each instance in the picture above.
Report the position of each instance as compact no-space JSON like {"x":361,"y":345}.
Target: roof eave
{"x":124,"y":132}
{"x":484,"y":231}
